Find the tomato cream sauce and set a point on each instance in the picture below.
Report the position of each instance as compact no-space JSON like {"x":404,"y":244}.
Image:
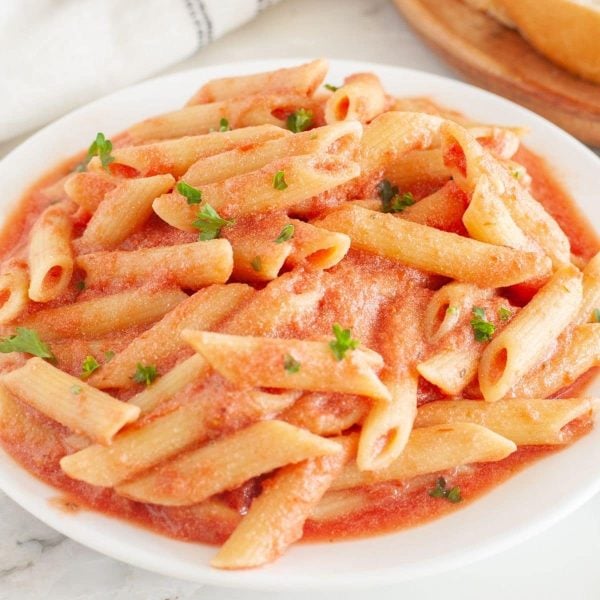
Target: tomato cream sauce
{"x":383,"y":303}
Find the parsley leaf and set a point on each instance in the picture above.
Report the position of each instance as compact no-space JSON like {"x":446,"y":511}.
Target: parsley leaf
{"x":286,"y":233}
{"x":256,"y":264}
{"x":391,"y":199}
{"x":100,"y":147}
{"x":279,"y":181}
{"x":331,"y":88}
{"x":26,"y":340}
{"x":192,"y":194}
{"x":89,"y":365}
{"x":596,"y":315}
{"x":504,"y":313}
{"x":440,"y":491}
{"x":145,"y":374}
{"x":224,"y":125}
{"x":109,"y":355}
{"x":210,"y":223}
{"x":290,"y":364}
{"x":452,"y":310}
{"x":483,"y":330}
{"x":300,"y":120}
{"x":343,"y":341}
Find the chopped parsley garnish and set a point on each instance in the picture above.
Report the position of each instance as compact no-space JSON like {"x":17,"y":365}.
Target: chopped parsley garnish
{"x":256,"y":264}
{"x":145,"y":374}
{"x":224,"y":125}
{"x":596,"y":315}
{"x":26,"y":340}
{"x":286,"y":233}
{"x":75,"y":389}
{"x":109,"y":355}
{"x":89,"y":365}
{"x":279,"y":181}
{"x":190,"y":193}
{"x":100,"y":147}
{"x":452,"y":310}
{"x":504,"y":313}
{"x":80,"y":285}
{"x":391,"y":199}
{"x":331,"y":88}
{"x":441,"y":491}
{"x":290,"y":364}
{"x":343,"y":341}
{"x":300,"y":120}
{"x":210,"y":223}
{"x":483,"y":330}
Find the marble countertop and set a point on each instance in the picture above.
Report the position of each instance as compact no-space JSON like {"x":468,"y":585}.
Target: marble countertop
{"x":36,"y":563}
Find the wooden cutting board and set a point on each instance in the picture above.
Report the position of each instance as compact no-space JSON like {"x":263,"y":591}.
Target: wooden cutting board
{"x":499,"y":59}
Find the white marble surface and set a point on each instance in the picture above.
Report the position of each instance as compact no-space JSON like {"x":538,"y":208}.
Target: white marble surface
{"x":36,"y":563}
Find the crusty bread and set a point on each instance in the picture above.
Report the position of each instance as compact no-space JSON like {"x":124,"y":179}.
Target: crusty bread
{"x":565,"y":31}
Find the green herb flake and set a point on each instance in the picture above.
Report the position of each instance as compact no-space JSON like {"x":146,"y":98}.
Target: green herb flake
{"x":279,"y":181}
{"x":224,"y":125}
{"x":26,"y":340}
{"x":596,"y":315}
{"x":190,"y":193}
{"x":343,"y":341}
{"x":75,"y":389}
{"x":100,"y":147}
{"x":440,"y":491}
{"x":483,"y":330}
{"x":452,"y":310}
{"x":210,"y":223}
{"x":290,"y":364}
{"x":331,"y":88}
{"x":300,"y":120}
{"x":286,"y":234}
{"x":145,"y":373}
{"x":108,"y":355}
{"x":89,"y":365}
{"x":256,"y":264}
{"x":80,"y":285}
{"x":392,"y":201}
{"x":504,"y":313}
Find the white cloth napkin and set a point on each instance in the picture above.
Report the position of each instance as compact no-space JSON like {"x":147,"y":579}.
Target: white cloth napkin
{"x":58,"y":54}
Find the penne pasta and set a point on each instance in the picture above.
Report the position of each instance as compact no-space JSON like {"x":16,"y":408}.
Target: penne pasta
{"x":289,"y":364}
{"x":190,"y":266}
{"x":420,"y":246}
{"x":70,"y":401}
{"x":506,"y":359}
{"x":451,"y":370}
{"x":227,"y":463}
{"x":88,"y":190}
{"x":591,"y":292}
{"x":524,"y":421}
{"x":361,"y":98}
{"x":407,"y":170}
{"x":14,"y":291}
{"x":50,"y":255}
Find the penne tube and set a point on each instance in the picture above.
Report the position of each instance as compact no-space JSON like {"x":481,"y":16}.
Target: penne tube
{"x":526,"y":339}
{"x":432,"y":449}
{"x":338,"y":139}
{"x":154,"y":440}
{"x":435,"y":251}
{"x":276,"y":518}
{"x":304,"y":176}
{"x":361,"y":98}
{"x":302,"y":80}
{"x":205,"y":309}
{"x":317,"y":247}
{"x":70,"y":401}
{"x":289,"y":364}
{"x":14,"y":291}
{"x":50,"y":254}
{"x":524,"y":421}
{"x":105,"y":314}
{"x":591,"y":292}
{"x":176,"y":156}
{"x":501,"y":142}
{"x":451,"y":370}
{"x":89,"y":189}
{"x":203,"y":118}
{"x":190,"y":266}
{"x":227,"y":463}
{"x":392,"y":134}
{"x":408,"y":170}
{"x":386,"y":428}
{"x":576,"y":352}
{"x":123,"y":211}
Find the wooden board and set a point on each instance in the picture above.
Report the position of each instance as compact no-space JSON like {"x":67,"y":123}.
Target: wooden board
{"x":499,"y":59}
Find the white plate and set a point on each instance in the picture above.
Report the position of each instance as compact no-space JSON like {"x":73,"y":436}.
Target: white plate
{"x":525,"y":505}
